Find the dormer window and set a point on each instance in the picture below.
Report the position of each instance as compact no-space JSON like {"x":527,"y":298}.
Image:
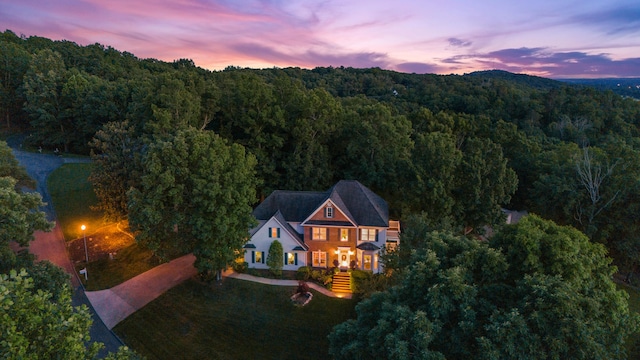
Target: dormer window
{"x":328,"y":211}
{"x":274,"y":232}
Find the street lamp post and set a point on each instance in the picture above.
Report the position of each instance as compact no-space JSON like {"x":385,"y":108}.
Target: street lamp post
{"x":86,"y":254}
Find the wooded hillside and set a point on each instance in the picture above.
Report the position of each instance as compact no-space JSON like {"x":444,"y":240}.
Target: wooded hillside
{"x":454,"y":148}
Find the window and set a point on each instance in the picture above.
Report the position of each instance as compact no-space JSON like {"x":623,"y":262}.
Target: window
{"x":367,"y":262}
{"x":368,"y":234}
{"x":257,"y":257}
{"x":318,"y":233}
{"x":328,"y":211}
{"x":319,"y":259}
{"x":344,"y":234}
{"x":274,"y":232}
{"x":291,"y":258}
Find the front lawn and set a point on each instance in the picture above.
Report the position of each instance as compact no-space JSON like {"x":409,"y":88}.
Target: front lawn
{"x":106,"y":273}
{"x":73,"y":196}
{"x":233,"y":320}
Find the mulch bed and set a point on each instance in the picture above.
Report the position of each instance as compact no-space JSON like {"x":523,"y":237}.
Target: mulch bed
{"x":100,"y":244}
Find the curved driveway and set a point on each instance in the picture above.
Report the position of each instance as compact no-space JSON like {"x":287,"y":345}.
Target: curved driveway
{"x":109,"y":307}
{"x":51,"y":245}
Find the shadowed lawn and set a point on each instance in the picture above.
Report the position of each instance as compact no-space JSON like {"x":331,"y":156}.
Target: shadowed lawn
{"x":129,"y":262}
{"x":233,"y":320}
{"x":72,"y":196}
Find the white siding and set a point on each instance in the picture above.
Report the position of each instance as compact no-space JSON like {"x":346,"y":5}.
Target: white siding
{"x":262,"y":242}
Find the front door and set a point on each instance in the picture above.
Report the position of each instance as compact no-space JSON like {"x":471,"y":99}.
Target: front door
{"x":344,"y":257}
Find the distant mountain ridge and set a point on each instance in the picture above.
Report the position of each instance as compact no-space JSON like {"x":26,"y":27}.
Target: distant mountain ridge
{"x":622,"y":86}
{"x":536,"y":82}
{"x":629,"y":87}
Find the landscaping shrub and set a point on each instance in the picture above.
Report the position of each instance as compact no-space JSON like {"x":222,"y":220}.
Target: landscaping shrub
{"x":303,"y":288}
{"x":240,"y":267}
{"x":275,"y":259}
{"x":358,"y":277}
{"x":365,"y":283}
{"x":303,"y":273}
{"x":324,"y":277}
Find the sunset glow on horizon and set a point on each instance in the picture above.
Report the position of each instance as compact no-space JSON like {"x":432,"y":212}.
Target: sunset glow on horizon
{"x":556,"y":39}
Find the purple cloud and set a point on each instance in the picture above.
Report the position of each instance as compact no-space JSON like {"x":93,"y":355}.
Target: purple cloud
{"x":311,"y":58}
{"x":418,"y":68}
{"x":546,"y":63}
{"x":615,"y":21}
{"x":455,"y":42}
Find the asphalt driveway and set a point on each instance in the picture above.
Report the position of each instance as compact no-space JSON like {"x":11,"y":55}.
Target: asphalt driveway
{"x":51,"y":245}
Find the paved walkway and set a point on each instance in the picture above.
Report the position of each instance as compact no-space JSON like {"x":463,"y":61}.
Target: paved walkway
{"x":261,"y":280}
{"x":116,"y":304}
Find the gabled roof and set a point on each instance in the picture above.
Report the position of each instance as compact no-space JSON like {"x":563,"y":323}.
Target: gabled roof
{"x":361,"y":205}
{"x":294,"y":206}
{"x":290,"y":229}
{"x":285,"y":225}
{"x":366,"y":208}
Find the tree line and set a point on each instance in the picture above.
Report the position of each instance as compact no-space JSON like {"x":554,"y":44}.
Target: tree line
{"x":457,"y":148}
{"x":184,"y":152}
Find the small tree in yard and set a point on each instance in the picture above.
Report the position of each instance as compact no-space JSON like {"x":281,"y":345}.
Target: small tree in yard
{"x":275,"y":259}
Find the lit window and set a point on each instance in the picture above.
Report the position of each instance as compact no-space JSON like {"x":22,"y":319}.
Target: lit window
{"x":367,"y":262}
{"x":318,"y":233}
{"x":328,"y":211}
{"x":368,"y":234}
{"x":291,"y":259}
{"x":344,"y":234}
{"x":319,"y":259}
{"x":258,"y":257}
{"x":274,"y":232}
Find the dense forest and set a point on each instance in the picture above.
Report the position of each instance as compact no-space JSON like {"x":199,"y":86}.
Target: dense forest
{"x":454,"y":149}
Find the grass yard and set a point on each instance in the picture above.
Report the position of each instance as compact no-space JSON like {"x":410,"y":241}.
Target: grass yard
{"x":72,"y":197}
{"x":233,"y":320}
{"x":129,"y":262}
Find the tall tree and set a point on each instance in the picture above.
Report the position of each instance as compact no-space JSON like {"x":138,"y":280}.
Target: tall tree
{"x":14,"y":62}
{"x":116,"y":164}
{"x":484,"y":184}
{"x":195,"y":196}
{"x":43,"y":85}
{"x":377,"y":145}
{"x":37,"y":326}
{"x":9,"y":166}
{"x":432,"y":179}
{"x":535,"y":291}
{"x":19,"y":218}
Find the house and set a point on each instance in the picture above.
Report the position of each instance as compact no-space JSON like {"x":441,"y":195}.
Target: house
{"x":345,"y":226}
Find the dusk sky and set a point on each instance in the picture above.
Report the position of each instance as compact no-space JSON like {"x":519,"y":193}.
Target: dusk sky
{"x":556,"y":39}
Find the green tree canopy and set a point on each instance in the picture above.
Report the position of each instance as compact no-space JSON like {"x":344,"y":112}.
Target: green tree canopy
{"x":116,"y":163}
{"x":535,"y":291}
{"x":195,"y":196}
{"x":19,"y":218}
{"x":34,"y":325}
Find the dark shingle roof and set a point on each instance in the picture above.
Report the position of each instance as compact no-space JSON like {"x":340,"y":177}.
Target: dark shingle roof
{"x":365,"y":207}
{"x":360,"y":204}
{"x":295,"y":206}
